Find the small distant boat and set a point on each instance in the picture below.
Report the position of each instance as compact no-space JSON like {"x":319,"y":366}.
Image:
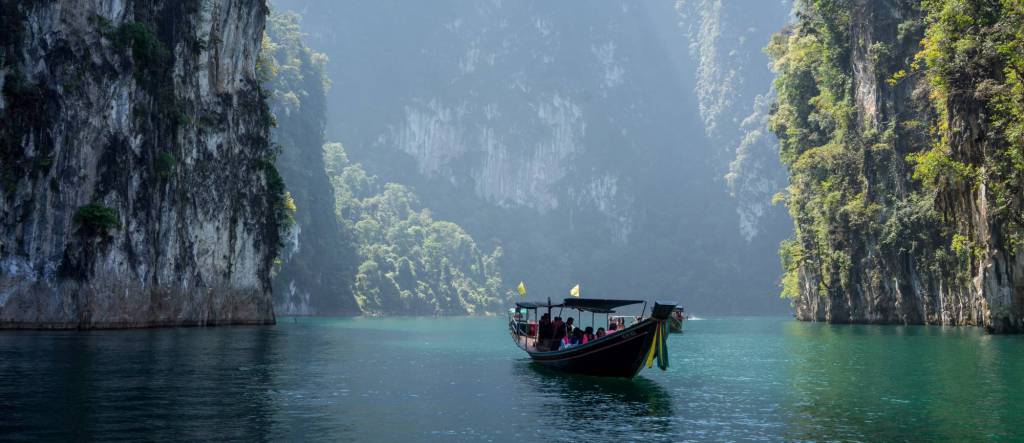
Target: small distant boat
{"x":619,"y":354}
{"x":675,"y":321}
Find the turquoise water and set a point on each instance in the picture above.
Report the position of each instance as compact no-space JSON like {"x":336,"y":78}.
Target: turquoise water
{"x":463,"y":379}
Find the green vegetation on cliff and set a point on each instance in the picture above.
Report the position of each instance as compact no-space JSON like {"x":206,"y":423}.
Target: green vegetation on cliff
{"x":973,"y":56}
{"x":412,"y":264}
{"x":314,"y":272}
{"x":902,"y":128}
{"x":96,"y":218}
{"x":361,"y":245}
{"x":845,"y":192}
{"x":133,"y":184}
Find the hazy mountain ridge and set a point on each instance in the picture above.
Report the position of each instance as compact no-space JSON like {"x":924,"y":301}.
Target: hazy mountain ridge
{"x":567,"y":135}
{"x":318,"y":264}
{"x":357,"y":244}
{"x":734,"y":93}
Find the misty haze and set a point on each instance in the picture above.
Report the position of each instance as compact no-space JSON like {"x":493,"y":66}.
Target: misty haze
{"x":497,"y":220}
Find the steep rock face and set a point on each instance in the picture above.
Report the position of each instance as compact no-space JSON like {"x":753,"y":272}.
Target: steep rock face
{"x":734,"y":94}
{"x":974,"y":59}
{"x":138,"y":187}
{"x":877,"y":240}
{"x":319,"y":261}
{"x":867,"y":250}
{"x":566,"y":133}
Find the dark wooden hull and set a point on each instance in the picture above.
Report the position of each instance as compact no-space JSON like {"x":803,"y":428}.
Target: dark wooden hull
{"x":617,"y":355}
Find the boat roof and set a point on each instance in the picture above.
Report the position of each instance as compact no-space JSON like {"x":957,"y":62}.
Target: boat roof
{"x":598,"y":305}
{"x":536,"y":304}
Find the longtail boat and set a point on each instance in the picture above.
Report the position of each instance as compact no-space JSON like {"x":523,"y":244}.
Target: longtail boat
{"x":619,"y":354}
{"x":675,"y":321}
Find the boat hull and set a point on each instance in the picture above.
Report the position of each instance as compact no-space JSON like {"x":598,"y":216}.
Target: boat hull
{"x":620,"y":354}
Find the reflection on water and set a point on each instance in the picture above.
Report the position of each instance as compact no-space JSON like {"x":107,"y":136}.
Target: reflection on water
{"x":896,"y":382}
{"x":590,"y":408}
{"x":84,"y":385}
{"x":463,"y":379}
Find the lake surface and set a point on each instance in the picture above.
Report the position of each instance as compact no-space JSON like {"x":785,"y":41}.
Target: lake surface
{"x":463,"y":379}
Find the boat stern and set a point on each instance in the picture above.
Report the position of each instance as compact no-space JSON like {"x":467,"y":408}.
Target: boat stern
{"x":662,"y":310}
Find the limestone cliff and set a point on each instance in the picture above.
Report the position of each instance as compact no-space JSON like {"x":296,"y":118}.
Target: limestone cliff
{"x":319,"y":262}
{"x":901,"y":188}
{"x":138,"y":186}
{"x":733,"y":91}
{"x":565,"y":133}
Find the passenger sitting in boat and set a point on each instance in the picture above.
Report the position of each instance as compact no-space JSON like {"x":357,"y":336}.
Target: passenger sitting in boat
{"x":588,"y":334}
{"x":566,"y":343}
{"x":613,"y":328}
{"x":574,"y":338}
{"x":600,"y":332}
{"x":546,"y":334}
{"x":559,"y":327}
{"x":544,"y":329}
{"x":577,"y":337}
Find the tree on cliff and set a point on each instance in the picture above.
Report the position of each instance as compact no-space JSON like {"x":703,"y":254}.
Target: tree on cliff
{"x":412,"y":264}
{"x":906,"y":161}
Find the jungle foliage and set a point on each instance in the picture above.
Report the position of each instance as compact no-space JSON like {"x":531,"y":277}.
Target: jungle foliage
{"x":406,"y":262}
{"x":973,"y":57}
{"x":951,"y":67}
{"x":411,"y":262}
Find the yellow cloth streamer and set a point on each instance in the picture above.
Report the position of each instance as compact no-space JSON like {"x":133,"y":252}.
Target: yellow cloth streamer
{"x":650,"y":354}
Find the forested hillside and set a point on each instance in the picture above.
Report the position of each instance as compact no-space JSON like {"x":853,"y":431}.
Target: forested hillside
{"x":902,"y":126}
{"x":357,"y":243}
{"x":411,"y":263}
{"x":574,"y":137}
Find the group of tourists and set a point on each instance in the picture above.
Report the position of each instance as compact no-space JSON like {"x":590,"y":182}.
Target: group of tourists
{"x":556,"y":334}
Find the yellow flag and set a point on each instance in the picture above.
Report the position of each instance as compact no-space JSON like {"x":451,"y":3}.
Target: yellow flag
{"x":522,"y":289}
{"x":575,"y":291}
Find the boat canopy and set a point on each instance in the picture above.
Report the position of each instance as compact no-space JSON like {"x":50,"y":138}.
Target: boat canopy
{"x":598,"y":305}
{"x":536,"y":305}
